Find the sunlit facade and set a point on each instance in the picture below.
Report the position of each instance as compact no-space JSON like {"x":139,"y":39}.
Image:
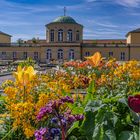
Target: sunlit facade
{"x":64,"y":41}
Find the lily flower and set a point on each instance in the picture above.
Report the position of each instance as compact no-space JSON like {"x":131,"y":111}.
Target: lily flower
{"x":95,"y":59}
{"x":24,"y":75}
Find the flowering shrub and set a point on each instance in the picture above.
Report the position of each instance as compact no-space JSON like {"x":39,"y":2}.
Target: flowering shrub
{"x":52,"y":105}
{"x":25,"y":97}
{"x":60,"y":119}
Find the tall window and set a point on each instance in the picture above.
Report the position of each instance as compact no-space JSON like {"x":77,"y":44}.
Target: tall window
{"x":87,"y":53}
{"x":24,"y":55}
{"x":52,"y":35}
{"x":3,"y":55}
{"x":49,"y":54}
{"x":14,"y":55}
{"x":110,"y":54}
{"x":60,"y":54}
{"x":69,"y":35}
{"x":36,"y":55}
{"x":77,"y":36}
{"x":71,"y":54}
{"x":60,"y":35}
{"x":122,"y":56}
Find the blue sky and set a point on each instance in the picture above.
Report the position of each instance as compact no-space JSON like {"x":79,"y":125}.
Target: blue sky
{"x":102,"y":19}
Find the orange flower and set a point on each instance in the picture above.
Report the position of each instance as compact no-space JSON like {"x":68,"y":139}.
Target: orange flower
{"x":95,"y":59}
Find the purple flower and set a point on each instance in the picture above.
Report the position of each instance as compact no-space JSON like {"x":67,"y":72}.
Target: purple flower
{"x":59,"y":103}
{"x":40,"y":133}
{"x":71,"y":118}
{"x":64,"y":122}
{"x":55,"y":131}
{"x":54,"y":120}
{"x":43,"y":112}
{"x":79,"y":117}
{"x":67,"y":99}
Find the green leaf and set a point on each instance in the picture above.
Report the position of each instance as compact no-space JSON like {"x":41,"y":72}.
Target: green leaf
{"x":110,"y":134}
{"x":75,"y":125}
{"x":135,"y":116}
{"x":88,"y":125}
{"x":123,"y":101}
{"x":72,"y":138}
{"x":98,"y":133}
{"x":94,"y":106}
{"x":90,"y":92}
{"x":91,"y":88}
{"x":128,"y":135}
{"x":78,"y":110}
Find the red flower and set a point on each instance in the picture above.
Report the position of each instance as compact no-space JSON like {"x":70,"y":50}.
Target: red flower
{"x":134,"y":103}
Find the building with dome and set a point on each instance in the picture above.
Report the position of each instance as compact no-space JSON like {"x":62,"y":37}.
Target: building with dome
{"x":64,"y":41}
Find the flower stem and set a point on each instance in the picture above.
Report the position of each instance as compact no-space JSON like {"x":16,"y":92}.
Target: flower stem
{"x":139,"y":126}
{"x":61,"y":125}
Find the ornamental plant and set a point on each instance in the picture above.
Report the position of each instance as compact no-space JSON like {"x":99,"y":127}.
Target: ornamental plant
{"x":134,"y":103}
{"x":20,"y":101}
{"x":24,"y":98}
{"x":59,"y":119}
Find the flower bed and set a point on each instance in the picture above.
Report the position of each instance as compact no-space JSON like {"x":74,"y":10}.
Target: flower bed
{"x":81,"y":101}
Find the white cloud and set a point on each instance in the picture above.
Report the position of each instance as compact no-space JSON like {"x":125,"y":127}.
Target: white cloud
{"x":103,"y":23}
{"x":128,"y":3}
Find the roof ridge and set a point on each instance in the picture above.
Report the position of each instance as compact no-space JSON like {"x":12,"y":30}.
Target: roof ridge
{"x":5,"y":33}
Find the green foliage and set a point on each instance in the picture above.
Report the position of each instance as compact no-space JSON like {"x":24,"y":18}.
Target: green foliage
{"x":28,"y":62}
{"x":107,"y":117}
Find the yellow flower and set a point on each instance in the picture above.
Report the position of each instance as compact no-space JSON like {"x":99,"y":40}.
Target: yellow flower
{"x":24,"y":75}
{"x":95,"y":59}
{"x":1,"y":122}
{"x":29,"y":132}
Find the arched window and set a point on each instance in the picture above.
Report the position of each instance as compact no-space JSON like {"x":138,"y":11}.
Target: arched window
{"x":71,"y":54}
{"x":52,"y":35}
{"x":60,"y":35}
{"x":77,"y":35}
{"x":49,"y":54}
{"x":60,"y":54}
{"x":69,"y":35}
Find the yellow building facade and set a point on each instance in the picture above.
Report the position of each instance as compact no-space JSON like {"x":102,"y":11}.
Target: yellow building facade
{"x":5,"y":38}
{"x":64,"y":41}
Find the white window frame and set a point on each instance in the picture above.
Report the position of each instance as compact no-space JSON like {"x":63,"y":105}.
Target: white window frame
{"x":52,"y":35}
{"x":60,"y":54}
{"x":69,"y":35}
{"x":60,"y":35}
{"x":14,"y":55}
{"x":71,"y":54}
{"x":48,"y":54}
